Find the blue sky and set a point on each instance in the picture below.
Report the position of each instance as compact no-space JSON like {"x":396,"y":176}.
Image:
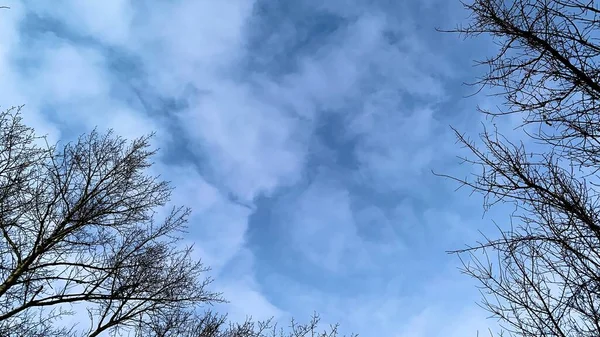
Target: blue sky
{"x":302,"y":133}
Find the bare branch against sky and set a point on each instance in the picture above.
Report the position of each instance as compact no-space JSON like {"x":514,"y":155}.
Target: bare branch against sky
{"x":541,"y":277}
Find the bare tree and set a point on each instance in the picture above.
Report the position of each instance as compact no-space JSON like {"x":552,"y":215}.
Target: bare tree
{"x":78,"y":232}
{"x":78,"y":227}
{"x":541,"y":277}
{"x":209,"y":324}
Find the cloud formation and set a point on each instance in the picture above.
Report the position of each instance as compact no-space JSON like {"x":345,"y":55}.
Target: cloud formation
{"x":302,"y":134}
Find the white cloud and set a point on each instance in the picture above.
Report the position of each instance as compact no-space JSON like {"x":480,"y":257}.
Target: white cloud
{"x":439,"y":321}
{"x":321,"y":226}
{"x":398,"y":144}
{"x":216,"y":226}
{"x":253,"y":134}
{"x":217,"y":230}
{"x":251,"y":146}
{"x":245,"y":294}
{"x":68,"y":73}
{"x":74,"y":80}
{"x":90,"y":18}
{"x":11,"y":84}
{"x":191,"y":42}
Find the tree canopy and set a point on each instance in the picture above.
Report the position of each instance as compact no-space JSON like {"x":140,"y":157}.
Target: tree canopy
{"x":81,"y":233}
{"x":541,"y":277}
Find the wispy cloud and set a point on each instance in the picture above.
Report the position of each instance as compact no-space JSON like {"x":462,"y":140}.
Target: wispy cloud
{"x":302,"y":134}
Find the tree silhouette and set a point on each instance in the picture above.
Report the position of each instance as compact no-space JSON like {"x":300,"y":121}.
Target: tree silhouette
{"x":541,"y":277}
{"x":79,"y":232}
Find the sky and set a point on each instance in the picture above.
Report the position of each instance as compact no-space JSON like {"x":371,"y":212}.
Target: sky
{"x":303,"y":134}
